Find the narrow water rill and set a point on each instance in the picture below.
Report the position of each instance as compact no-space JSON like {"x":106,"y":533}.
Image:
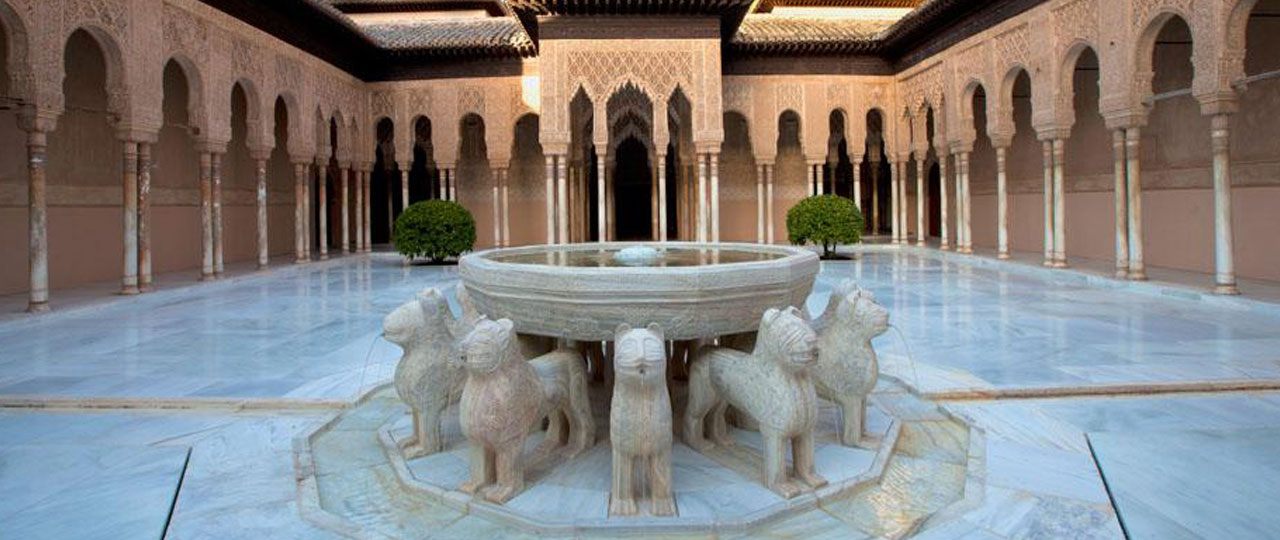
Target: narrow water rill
{"x":706,"y":269}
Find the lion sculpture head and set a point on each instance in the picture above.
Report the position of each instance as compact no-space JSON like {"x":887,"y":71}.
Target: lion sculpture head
{"x":786,"y":338}
{"x":641,"y":353}
{"x":862,"y":315}
{"x":489,"y":346}
{"x":421,"y":321}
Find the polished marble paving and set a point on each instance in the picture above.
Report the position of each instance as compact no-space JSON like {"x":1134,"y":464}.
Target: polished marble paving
{"x":1179,"y":465}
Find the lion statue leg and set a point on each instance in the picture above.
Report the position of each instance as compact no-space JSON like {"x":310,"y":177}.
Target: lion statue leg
{"x":482,"y":473}
{"x":854,"y":411}
{"x":719,"y":425}
{"x":803,"y":458}
{"x":702,"y":398}
{"x":663,"y":504}
{"x":622,"y":500}
{"x":510,"y":473}
{"x":775,"y":464}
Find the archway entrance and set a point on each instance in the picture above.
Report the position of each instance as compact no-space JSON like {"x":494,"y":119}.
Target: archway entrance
{"x":633,"y":184}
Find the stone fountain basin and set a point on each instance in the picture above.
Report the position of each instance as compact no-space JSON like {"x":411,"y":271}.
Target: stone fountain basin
{"x":548,"y":291}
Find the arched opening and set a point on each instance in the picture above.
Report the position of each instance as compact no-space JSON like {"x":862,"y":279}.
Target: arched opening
{"x":837,"y":171}
{"x":1089,"y":169}
{"x":239,"y":183}
{"x":681,"y":179}
{"x":877,"y":174}
{"x":13,"y":172}
{"x":85,"y":228}
{"x":1255,"y":192}
{"x":526,"y":184}
{"x":738,"y":176}
{"x":982,"y":176}
{"x":280,"y":184}
{"x":424,"y":178}
{"x":791,"y":176}
{"x":175,"y":181}
{"x":1177,"y":199}
{"x":473,"y":182}
{"x":384,"y":184}
{"x":633,"y":183}
{"x":1024,"y":170}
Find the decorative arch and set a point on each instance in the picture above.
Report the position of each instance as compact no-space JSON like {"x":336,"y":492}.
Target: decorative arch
{"x":1235,"y":40}
{"x":1144,"y":50}
{"x":293,"y":113}
{"x":195,"y":91}
{"x":18,"y":61}
{"x":117,"y":86}
{"x":253,"y":113}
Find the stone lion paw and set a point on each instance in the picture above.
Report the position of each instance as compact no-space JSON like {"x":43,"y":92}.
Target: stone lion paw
{"x":622,"y":507}
{"x":497,"y":493}
{"x":813,"y":480}
{"x":664,"y":507}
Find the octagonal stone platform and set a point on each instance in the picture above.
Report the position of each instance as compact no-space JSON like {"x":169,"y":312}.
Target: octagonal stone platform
{"x":924,"y":466}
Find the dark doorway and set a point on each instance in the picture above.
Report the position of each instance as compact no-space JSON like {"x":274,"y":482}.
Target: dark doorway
{"x":633,"y":184}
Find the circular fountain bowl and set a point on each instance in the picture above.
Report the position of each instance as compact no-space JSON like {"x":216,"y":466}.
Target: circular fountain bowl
{"x":584,"y":291}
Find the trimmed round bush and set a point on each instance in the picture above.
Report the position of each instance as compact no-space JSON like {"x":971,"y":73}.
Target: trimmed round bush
{"x":434,"y":229}
{"x":825,"y":220}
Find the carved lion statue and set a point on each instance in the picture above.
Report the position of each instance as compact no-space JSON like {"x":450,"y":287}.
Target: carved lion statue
{"x":504,"y":397}
{"x":426,"y":377}
{"x":773,"y":386}
{"x":847,"y":370}
{"x":640,"y":420}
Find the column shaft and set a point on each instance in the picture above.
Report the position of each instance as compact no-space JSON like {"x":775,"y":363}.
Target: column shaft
{"x":943,"y":200}
{"x":1121,"y":196}
{"x":920,"y":202}
{"x":1047,"y":159}
{"x":1224,"y":256}
{"x":662,"y":197}
{"x":968,"y":207}
{"x":144,"y":216}
{"x":216,"y":172}
{"x":358,"y":202}
{"x":857,"y":183}
{"x":38,"y":221}
{"x":1133,"y":144}
{"x":702,"y":198}
{"x":768,"y":211}
{"x":323,"y":197}
{"x":299,"y":213}
{"x":404,"y":188}
{"x":263,"y":252}
{"x":130,"y":279}
{"x":1002,"y":204}
{"x":344,"y":211}
{"x":562,"y":196}
{"x":551,"y":198}
{"x":497,"y":208}
{"x":714,"y":160}
{"x":600,"y":209}
{"x":760,"y":204}
{"x":206,"y":216}
{"x":367,"y":186}
{"x":506,"y":210}
{"x":874,"y":168}
{"x":1059,"y":204}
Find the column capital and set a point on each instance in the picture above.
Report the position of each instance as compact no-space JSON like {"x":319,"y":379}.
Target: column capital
{"x":1126,"y":119}
{"x":1218,"y":102}
{"x":555,"y":149}
{"x":262,"y":153}
{"x":133,"y":132}
{"x":207,"y":146}
{"x":1052,"y":133}
{"x":1001,"y":140}
{"x":33,"y":119}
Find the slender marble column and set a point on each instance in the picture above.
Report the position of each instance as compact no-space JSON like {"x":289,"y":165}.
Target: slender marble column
{"x":299,"y":212}
{"x":562,"y":196}
{"x":1002,"y":204}
{"x":206,"y":216}
{"x":453,"y":183}
{"x":323,"y":196}
{"x":368,"y":210}
{"x":759,"y":204}
{"x":358,"y":202}
{"x":506,"y":210}
{"x":702,"y":197}
{"x":662,"y":197}
{"x":857,"y":182}
{"x":875,"y":196}
{"x":216,"y":172}
{"x":38,"y":220}
{"x":130,"y":279}
{"x":551,"y":198}
{"x":943,"y":201}
{"x":920,"y":202}
{"x":344,"y":211}
{"x":497,"y":207}
{"x":404,"y":186}
{"x":895,"y":202}
{"x":1121,"y":196}
{"x":1059,"y":204}
{"x":768,"y":211}
{"x":714,"y":160}
{"x":263,"y":250}
{"x":600,"y":209}
{"x":968,"y":207}
{"x":144,"y":216}
{"x":1224,"y":261}
{"x":1133,"y":145}
{"x":1046,"y":147}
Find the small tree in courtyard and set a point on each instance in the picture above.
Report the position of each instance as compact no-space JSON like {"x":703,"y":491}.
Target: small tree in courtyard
{"x":826,"y":220}
{"x":434,"y":229}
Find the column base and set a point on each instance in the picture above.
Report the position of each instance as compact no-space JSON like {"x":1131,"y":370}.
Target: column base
{"x":1226,"y":289}
{"x":1137,"y":275}
{"x":301,"y":260}
{"x":207,"y":277}
{"x":1059,"y":264}
{"x":945,"y":247}
{"x":965,"y":250}
{"x":145,"y":288}
{"x":1003,"y":256}
{"x":262,"y":266}
{"x":38,"y":307}
{"x":920,"y":243}
{"x":129,"y":290}
{"x":324,"y":256}
{"x":1047,"y":263}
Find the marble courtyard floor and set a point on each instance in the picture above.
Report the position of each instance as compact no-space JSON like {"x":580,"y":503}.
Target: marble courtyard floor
{"x":1107,"y":409}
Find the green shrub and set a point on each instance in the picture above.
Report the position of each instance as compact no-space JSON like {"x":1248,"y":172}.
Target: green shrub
{"x":826,"y":220}
{"x":434,"y":229}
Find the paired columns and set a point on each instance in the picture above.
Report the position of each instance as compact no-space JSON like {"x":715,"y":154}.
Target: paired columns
{"x":501,"y":211}
{"x":944,"y":182}
{"x":37,"y":126}
{"x":920,"y":200}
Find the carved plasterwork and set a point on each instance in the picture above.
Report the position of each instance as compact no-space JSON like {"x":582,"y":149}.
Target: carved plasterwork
{"x":471,"y":100}
{"x":1076,"y":20}
{"x":381,"y":104}
{"x":109,"y":14}
{"x":186,"y":34}
{"x":737,"y":97}
{"x":789,"y":96}
{"x":1013,"y":48}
